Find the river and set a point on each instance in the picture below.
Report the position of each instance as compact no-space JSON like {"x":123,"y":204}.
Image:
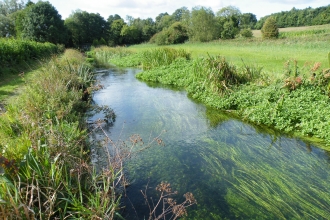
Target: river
{"x":234,"y":170}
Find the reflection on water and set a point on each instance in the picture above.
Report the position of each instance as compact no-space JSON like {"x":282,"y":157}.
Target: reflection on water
{"x":234,"y":171}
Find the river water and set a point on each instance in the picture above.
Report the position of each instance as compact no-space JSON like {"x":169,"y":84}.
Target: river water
{"x":234,"y":170}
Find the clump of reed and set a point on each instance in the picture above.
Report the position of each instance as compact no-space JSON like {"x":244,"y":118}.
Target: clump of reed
{"x":219,"y":76}
{"x":162,"y":57}
{"x":103,"y":55}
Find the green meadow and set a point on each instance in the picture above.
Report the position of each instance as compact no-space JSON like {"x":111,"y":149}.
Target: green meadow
{"x":306,"y":45}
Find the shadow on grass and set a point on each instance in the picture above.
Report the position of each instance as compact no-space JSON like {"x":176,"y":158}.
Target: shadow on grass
{"x":11,"y":78}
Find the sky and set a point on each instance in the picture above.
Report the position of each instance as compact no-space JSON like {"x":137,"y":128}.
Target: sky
{"x":151,"y":8}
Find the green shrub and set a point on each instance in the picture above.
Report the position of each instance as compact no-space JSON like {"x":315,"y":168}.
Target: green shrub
{"x":160,"y":38}
{"x":177,"y":33}
{"x":13,"y":52}
{"x":270,"y":29}
{"x":247,"y":33}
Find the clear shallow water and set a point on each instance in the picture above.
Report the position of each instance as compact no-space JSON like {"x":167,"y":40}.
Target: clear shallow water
{"x":234,"y":171}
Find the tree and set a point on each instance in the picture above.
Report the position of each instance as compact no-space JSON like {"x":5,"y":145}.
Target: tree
{"x":229,"y":20}
{"x":229,"y":30}
{"x":179,"y":13}
{"x":130,"y":34}
{"x":86,"y":27}
{"x":160,"y":16}
{"x":112,"y":18}
{"x":7,"y":27}
{"x":8,"y":10}
{"x":164,"y":22}
{"x":10,"y":6}
{"x":148,"y":29}
{"x":202,"y":25}
{"x":270,"y":29}
{"x":230,"y":13}
{"x":42,"y":23}
{"x":247,"y":20}
{"x":115,"y":36}
{"x":177,"y":33}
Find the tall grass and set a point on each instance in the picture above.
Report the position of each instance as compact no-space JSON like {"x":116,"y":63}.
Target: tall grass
{"x":103,"y":55}
{"x":161,"y":57}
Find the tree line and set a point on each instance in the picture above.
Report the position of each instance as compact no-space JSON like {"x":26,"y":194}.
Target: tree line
{"x":299,"y":17}
{"x":41,"y":22}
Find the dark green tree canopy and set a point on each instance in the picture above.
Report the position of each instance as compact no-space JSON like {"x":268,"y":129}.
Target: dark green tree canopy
{"x":112,"y":18}
{"x":86,"y":27}
{"x":160,"y":16}
{"x":179,"y":13}
{"x":248,"y":20}
{"x":42,"y":23}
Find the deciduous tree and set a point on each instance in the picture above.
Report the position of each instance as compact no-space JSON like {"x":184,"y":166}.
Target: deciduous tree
{"x":86,"y":27}
{"x":42,"y":23}
{"x":202,"y":25}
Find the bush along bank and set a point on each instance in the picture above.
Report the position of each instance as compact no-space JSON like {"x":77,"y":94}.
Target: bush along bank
{"x":15,"y":52}
{"x":45,"y":161}
{"x":296,"y":104}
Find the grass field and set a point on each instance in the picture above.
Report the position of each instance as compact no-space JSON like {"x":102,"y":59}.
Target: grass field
{"x":269,"y":54}
{"x":257,"y":33}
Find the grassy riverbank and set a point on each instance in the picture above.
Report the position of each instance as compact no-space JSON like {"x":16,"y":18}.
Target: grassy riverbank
{"x":282,"y":84}
{"x":44,"y":150}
